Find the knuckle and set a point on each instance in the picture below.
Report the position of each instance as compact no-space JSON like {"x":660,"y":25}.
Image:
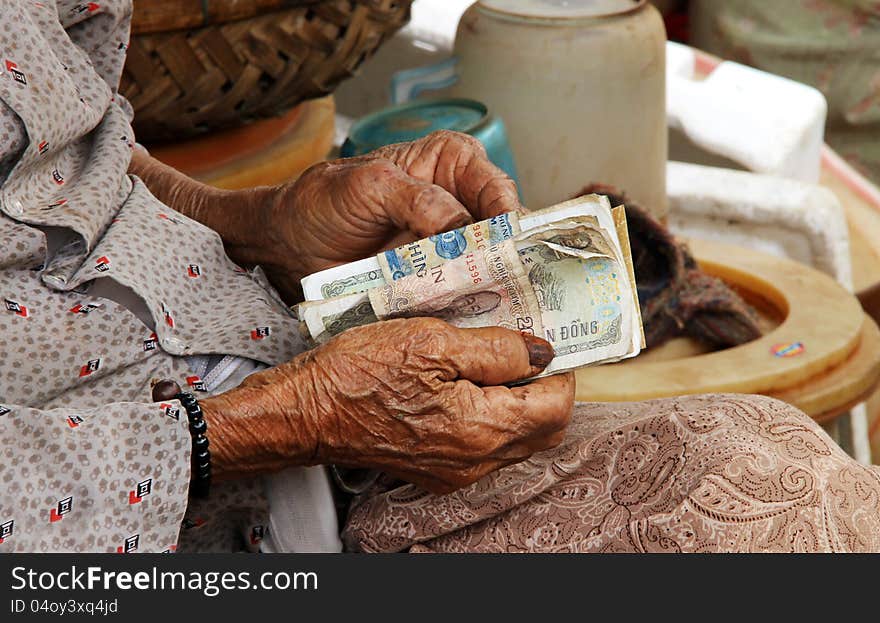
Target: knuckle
{"x":458,"y":139}
{"x":471,"y":143}
{"x":440,"y":136}
{"x":379,"y":167}
{"x":466,"y":139}
{"x":425,"y":195}
{"x":499,"y":184}
{"x":319,"y":171}
{"x":371,"y":169}
{"x":501,"y":347}
{"x":429,"y":335}
{"x":499,"y":191}
{"x":433,"y":326}
{"x":464,"y":402}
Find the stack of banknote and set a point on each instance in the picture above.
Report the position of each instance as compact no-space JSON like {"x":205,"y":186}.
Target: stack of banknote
{"x":563,"y":274}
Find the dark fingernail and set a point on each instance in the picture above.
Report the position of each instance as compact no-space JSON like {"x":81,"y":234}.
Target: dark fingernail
{"x":165,"y":390}
{"x":540,"y":351}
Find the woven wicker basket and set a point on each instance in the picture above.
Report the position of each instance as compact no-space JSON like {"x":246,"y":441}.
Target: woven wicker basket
{"x":198,"y":65}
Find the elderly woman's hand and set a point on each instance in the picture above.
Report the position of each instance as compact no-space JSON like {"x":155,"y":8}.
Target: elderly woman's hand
{"x":344,"y":210}
{"x":417,"y":398}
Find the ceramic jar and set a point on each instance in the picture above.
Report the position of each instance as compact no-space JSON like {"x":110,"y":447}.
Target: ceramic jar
{"x":580,"y":85}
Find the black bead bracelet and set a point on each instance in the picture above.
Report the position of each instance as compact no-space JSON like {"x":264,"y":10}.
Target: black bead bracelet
{"x":201,"y":456}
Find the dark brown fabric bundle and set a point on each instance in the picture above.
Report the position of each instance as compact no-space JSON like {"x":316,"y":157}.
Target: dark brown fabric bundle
{"x":676,"y":297}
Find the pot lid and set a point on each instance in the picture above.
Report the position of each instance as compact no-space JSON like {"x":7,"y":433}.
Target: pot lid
{"x":414,"y":120}
{"x":562,"y":9}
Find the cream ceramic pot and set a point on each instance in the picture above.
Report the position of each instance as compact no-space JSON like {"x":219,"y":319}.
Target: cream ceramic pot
{"x":580,"y":85}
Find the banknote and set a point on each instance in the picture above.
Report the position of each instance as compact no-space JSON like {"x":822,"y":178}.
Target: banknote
{"x":355,"y":277}
{"x":563,"y":280}
{"x":349,"y":278}
{"x":421,"y":256}
{"x":374,"y":271}
{"x":610,"y":220}
{"x":417,"y":257}
{"x":585,"y":303}
{"x":581,"y":234}
{"x":488,"y":287}
{"x":325,"y":319}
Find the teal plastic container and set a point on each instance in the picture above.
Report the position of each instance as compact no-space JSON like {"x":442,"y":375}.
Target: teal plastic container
{"x":414,"y":120}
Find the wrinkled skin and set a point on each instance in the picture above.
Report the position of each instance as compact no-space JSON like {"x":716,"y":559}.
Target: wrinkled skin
{"x":417,"y":398}
{"x":345,"y":210}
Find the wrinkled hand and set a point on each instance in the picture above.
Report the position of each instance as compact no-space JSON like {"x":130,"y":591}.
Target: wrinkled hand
{"x":344,"y":210}
{"x":416,"y":398}
{"x":423,"y":400}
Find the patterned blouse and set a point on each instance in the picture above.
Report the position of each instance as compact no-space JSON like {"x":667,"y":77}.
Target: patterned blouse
{"x":89,"y":462}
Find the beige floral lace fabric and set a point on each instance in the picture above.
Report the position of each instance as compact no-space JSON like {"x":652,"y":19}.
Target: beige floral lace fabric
{"x":717,"y":473}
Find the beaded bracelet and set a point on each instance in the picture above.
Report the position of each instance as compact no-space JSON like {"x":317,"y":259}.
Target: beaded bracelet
{"x":201,"y":456}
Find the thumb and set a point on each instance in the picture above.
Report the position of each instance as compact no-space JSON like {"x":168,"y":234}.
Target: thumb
{"x":495,"y":356}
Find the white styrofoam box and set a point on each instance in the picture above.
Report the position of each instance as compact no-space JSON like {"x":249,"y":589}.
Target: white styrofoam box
{"x":436,"y":20}
{"x":765,"y":123}
{"x":784,"y":217}
{"x":681,"y":61}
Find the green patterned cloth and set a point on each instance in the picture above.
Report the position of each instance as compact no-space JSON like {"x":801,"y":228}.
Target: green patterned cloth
{"x":833,"y":45}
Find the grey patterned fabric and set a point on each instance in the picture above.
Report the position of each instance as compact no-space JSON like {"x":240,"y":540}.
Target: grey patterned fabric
{"x":101,"y":467}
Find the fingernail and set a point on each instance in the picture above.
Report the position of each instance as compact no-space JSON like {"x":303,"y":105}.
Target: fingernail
{"x":540,"y":351}
{"x":165,"y":390}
